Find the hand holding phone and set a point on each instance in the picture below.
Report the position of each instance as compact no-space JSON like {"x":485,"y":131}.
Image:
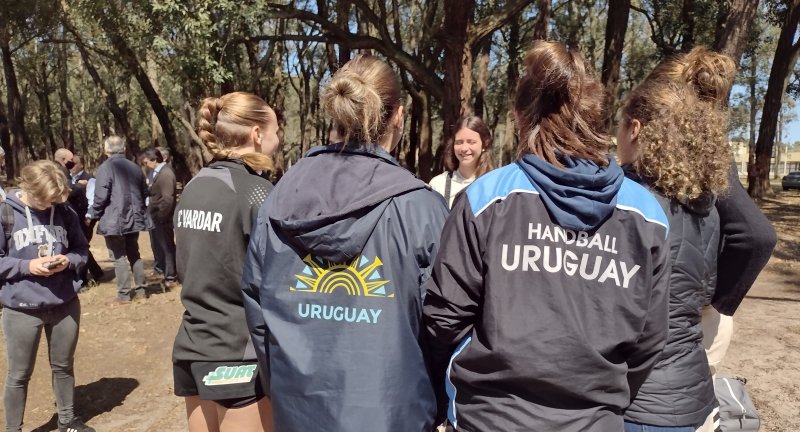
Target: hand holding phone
{"x":52,"y":264}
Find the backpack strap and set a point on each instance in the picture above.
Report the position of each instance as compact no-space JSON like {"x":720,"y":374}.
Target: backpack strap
{"x":6,"y":216}
{"x":447,"y":185}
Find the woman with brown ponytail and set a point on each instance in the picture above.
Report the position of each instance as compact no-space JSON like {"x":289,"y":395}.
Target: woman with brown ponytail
{"x":673,"y":139}
{"x":335,"y":268}
{"x":215,"y":365}
{"x":547,"y":304}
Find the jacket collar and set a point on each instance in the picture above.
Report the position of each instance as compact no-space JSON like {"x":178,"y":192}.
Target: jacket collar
{"x":369,"y":150}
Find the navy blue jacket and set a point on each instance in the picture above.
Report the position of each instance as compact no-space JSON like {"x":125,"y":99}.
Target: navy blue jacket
{"x":119,"y":197}
{"x":22,"y":290}
{"x":333,"y":293}
{"x":547,"y":306}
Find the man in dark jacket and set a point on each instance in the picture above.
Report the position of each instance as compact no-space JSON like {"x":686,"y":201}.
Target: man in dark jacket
{"x":77,"y":194}
{"x":80,"y":178}
{"x":163,"y":187}
{"x":119,"y":205}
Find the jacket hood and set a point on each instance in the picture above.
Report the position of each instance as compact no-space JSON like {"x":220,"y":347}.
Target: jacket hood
{"x":700,"y":206}
{"x":329,"y":203}
{"x":580,"y":196}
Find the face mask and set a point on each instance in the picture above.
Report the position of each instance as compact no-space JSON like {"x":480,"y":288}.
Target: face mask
{"x":69,"y":165}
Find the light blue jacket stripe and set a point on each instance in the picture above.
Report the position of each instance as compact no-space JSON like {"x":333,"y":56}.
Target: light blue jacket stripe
{"x":497,"y":185}
{"x":449,"y":387}
{"x":634,"y":197}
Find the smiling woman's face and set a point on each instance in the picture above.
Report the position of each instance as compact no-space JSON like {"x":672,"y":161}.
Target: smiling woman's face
{"x":467,"y":147}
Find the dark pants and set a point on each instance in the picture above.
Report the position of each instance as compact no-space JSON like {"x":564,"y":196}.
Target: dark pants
{"x":164,"y":236}
{"x":91,"y":266}
{"x":22,"y":331}
{"x":158,"y":256}
{"x":124,"y":251}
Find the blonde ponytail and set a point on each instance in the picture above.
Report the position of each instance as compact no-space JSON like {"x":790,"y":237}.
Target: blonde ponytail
{"x":224,"y":123}
{"x":361,"y":98}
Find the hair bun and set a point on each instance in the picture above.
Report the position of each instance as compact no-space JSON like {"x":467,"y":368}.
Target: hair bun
{"x":711,"y":74}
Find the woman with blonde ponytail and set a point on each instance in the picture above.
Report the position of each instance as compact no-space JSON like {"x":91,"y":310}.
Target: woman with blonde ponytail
{"x":214,"y":364}
{"x":334,"y":274}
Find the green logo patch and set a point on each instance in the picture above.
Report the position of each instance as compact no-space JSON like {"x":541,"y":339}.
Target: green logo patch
{"x":223,"y":375}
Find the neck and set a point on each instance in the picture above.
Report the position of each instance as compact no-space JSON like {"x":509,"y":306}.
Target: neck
{"x":243,"y":150}
{"x":386,"y":142}
{"x":467,"y":171}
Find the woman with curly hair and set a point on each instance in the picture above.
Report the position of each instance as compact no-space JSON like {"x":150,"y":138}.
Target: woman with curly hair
{"x":673,"y":139}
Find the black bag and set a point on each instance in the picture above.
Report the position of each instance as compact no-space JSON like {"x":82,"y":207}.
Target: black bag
{"x":736,"y":409}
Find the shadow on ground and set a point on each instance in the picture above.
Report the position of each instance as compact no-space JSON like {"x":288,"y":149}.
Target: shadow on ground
{"x":96,"y":398}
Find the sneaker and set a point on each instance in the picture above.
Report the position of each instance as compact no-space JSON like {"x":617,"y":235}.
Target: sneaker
{"x":168,"y":285}
{"x":76,"y":425}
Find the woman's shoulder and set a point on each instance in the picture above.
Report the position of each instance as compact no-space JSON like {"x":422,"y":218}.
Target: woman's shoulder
{"x":438,"y":182}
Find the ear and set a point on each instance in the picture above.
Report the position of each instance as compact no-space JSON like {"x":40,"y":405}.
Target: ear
{"x":635,"y":128}
{"x":255,"y":137}
{"x":398,"y":120}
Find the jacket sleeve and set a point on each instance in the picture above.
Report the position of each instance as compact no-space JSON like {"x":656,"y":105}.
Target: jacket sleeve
{"x":102,"y":192}
{"x":78,"y":252}
{"x":11,"y":268}
{"x":454,"y":292}
{"x":747,"y":239}
{"x":162,"y":195}
{"x":651,"y":341}
{"x":251,"y":286}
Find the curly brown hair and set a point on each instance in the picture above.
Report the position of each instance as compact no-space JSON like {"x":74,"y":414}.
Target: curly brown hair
{"x":683,"y":149}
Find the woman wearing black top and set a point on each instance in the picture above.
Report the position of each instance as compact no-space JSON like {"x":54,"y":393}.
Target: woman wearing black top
{"x":214,"y":362}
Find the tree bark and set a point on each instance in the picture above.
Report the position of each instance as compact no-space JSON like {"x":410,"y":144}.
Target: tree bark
{"x":457,"y":66}
{"x":425,"y":144}
{"x":130,"y":61}
{"x":119,"y":114}
{"x":782,"y":65}
{"x":67,"y":128}
{"x":45,"y":113}
{"x":752,"y":83}
{"x":15,"y":156}
{"x":733,"y":27}
{"x":507,"y":152}
{"x":616,"y":27}
{"x":542,"y":19}
{"x":5,"y":136}
{"x":482,"y":80}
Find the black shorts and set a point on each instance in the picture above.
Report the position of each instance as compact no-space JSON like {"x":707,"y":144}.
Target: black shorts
{"x":233,"y":384}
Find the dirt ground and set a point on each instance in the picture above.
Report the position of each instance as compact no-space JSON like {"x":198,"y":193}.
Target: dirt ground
{"x":124,"y":377}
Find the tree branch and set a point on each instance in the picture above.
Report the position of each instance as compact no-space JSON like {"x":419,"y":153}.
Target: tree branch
{"x":334,"y":33}
{"x":490,"y":24}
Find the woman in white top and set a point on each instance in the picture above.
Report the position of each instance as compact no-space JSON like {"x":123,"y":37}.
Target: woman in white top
{"x":467,"y":157}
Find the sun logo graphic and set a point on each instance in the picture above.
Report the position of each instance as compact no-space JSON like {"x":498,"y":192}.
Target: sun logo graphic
{"x":360,"y":277}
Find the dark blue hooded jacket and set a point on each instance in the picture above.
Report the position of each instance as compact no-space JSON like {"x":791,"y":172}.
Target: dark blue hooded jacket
{"x":333,"y":293}
{"x":547,"y":306}
{"x":22,"y":290}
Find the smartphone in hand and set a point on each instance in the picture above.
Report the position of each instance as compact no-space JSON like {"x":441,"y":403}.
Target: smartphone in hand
{"x":52,"y":264}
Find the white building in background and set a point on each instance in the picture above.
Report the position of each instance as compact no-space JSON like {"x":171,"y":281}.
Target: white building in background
{"x":783,"y":158}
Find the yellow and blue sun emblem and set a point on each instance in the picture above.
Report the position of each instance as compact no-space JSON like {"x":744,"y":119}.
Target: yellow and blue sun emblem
{"x":360,"y":277}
